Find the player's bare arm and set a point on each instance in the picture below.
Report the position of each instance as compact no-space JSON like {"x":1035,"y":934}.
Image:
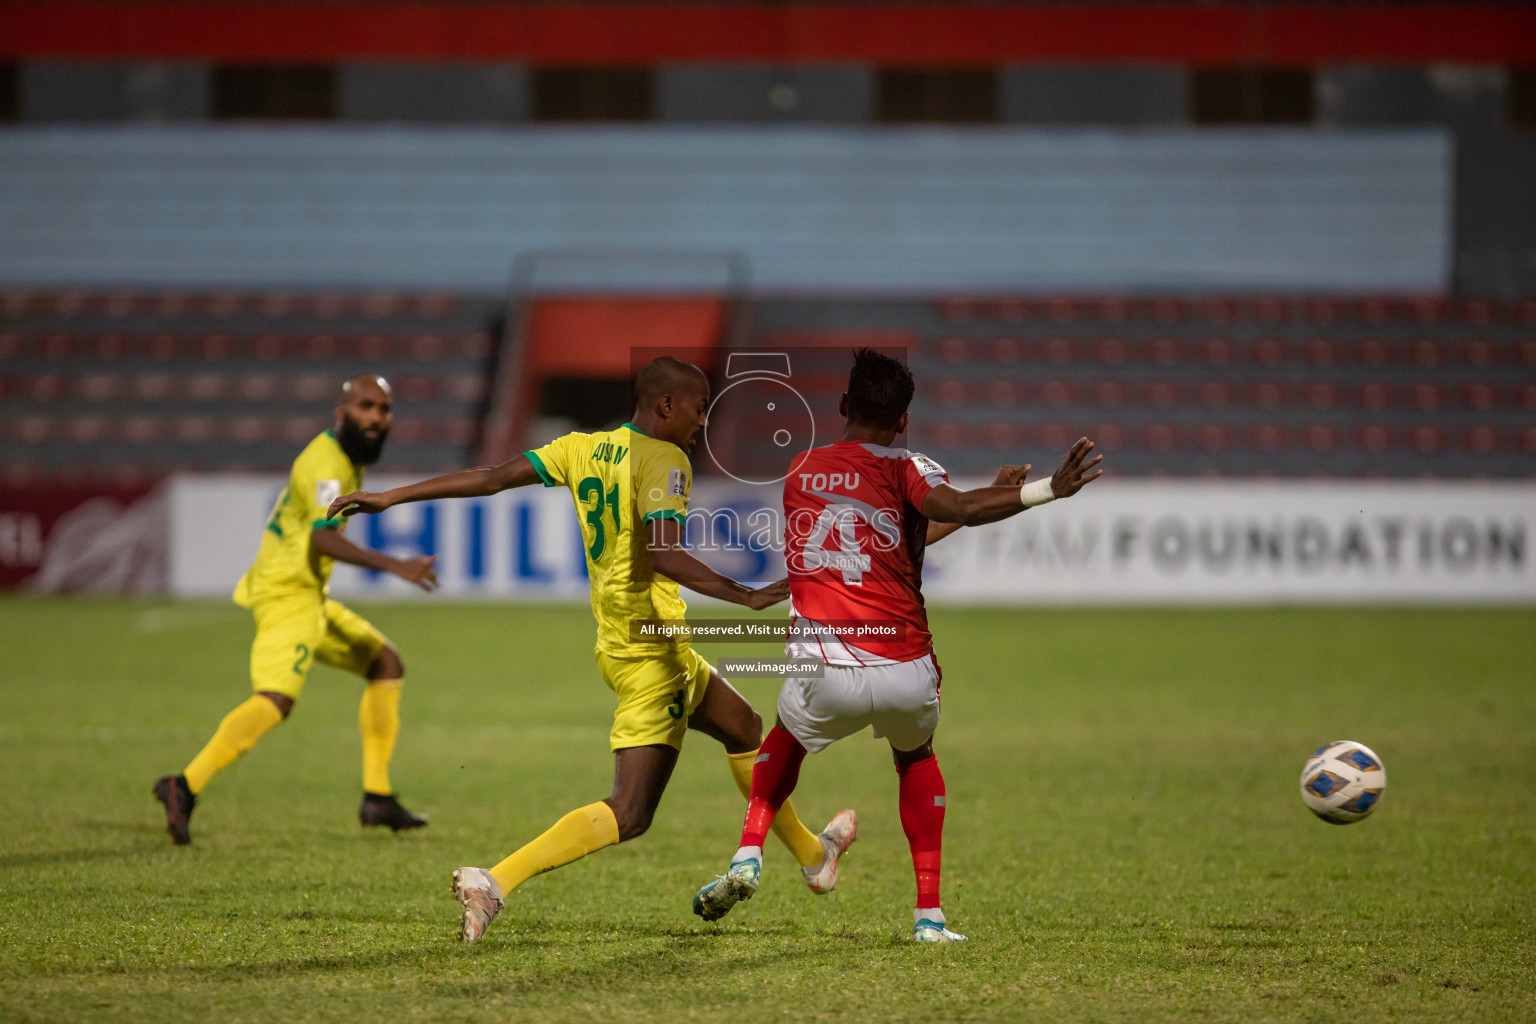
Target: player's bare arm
{"x":1007,"y":476}
{"x":478,"y":482}
{"x":948,"y":504}
{"x":419,"y":571}
{"x":664,"y":538}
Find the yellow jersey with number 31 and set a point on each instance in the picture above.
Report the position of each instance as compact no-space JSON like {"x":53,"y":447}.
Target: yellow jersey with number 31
{"x":621,"y":480}
{"x":287,"y":563}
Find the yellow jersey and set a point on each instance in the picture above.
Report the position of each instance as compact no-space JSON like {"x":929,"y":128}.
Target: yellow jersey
{"x":287,"y":563}
{"x":620,"y":480}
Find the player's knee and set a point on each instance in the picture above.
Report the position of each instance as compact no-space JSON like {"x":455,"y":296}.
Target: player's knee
{"x":387,"y":664}
{"x":634,"y":828}
{"x":743,"y":737}
{"x":752,"y":731}
{"x":281,"y":701}
{"x":906,"y":758}
{"x":633,"y":819}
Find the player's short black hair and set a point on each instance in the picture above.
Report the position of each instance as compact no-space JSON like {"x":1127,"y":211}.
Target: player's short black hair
{"x":665,"y":374}
{"x":879,"y":389}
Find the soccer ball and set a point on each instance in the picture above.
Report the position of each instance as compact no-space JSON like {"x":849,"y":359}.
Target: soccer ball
{"x":1342,"y":782}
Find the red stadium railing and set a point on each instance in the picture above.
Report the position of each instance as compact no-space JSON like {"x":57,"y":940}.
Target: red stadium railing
{"x":887,"y":33}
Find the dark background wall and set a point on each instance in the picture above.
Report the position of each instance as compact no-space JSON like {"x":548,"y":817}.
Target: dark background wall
{"x":1470,"y":68}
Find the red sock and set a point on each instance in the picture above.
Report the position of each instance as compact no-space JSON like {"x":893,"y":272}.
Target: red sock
{"x":922,"y":819}
{"x":773,"y":779}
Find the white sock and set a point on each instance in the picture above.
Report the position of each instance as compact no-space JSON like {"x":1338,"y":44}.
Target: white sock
{"x":934,"y":914}
{"x":748,"y":853}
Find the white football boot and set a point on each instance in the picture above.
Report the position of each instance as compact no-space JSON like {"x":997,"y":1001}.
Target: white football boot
{"x":481,"y":896}
{"x":839,"y":834}
{"x":715,"y":900}
{"x":928,"y":926}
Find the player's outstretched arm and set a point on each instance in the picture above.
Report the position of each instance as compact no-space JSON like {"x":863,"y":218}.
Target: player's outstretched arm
{"x":331,"y":543}
{"x":466,"y":483}
{"x":946,"y":504}
{"x":670,"y":557}
{"x":1007,"y":476}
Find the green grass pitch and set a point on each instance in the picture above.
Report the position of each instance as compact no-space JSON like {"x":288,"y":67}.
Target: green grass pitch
{"x":1125,"y":841}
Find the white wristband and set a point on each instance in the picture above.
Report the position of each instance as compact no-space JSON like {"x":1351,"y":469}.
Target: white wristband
{"x":1036,"y":492}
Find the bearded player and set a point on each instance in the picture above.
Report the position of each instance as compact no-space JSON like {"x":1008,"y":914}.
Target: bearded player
{"x":858,"y":513}
{"x":297,"y":624}
{"x":631,"y":488}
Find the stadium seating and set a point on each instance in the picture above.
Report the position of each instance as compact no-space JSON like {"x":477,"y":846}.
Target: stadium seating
{"x":1252,"y":386}
{"x":126,"y":384}
{"x":132,"y":384}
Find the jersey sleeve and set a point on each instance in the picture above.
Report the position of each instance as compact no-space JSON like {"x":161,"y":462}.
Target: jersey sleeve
{"x":919,"y":475}
{"x":662,"y":482}
{"x":314,"y":485}
{"x":553,"y":461}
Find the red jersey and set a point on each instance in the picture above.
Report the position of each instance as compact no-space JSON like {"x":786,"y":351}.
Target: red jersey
{"x":853,"y":541}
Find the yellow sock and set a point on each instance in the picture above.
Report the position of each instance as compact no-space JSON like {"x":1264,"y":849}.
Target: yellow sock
{"x":378,"y":719}
{"x":238,"y":733}
{"x":583,"y":831}
{"x":800,"y":841}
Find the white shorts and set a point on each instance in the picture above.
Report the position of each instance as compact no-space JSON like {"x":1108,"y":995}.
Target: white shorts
{"x":901,"y":701}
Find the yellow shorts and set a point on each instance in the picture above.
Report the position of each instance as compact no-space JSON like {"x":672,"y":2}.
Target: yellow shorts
{"x":292,"y":633}
{"x":656,"y":696}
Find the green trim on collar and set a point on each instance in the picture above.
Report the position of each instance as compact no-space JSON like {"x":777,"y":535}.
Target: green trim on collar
{"x":637,"y":430}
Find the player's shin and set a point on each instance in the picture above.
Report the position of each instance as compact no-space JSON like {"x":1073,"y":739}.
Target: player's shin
{"x":776,"y":769}
{"x":774,"y":774}
{"x":922,"y":819}
{"x":799,"y":840}
{"x":237,"y":733}
{"x":378,"y":719}
{"x":583,"y":831}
